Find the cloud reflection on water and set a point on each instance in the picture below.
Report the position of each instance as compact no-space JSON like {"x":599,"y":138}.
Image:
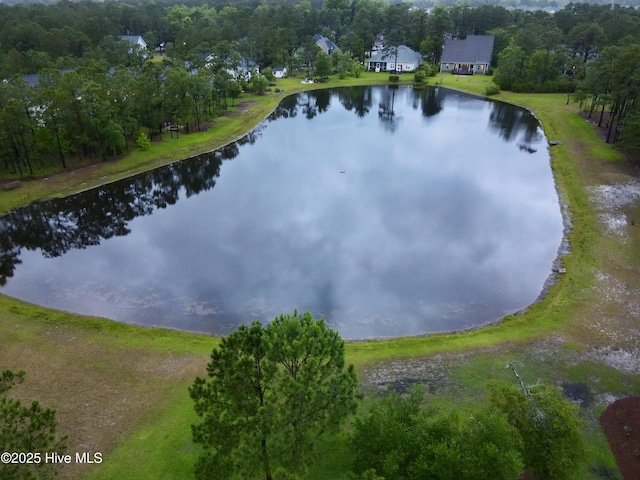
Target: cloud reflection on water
{"x":441,"y":221}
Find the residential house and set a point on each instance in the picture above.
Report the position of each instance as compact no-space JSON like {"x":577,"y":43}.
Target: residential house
{"x":395,"y":59}
{"x":137,"y":43}
{"x":469,"y":56}
{"x":378,"y":43}
{"x":279,"y":72}
{"x":135,"y":40}
{"x":326,"y":45}
{"x":244,"y":69}
{"x":237,"y":68}
{"x":33,"y":79}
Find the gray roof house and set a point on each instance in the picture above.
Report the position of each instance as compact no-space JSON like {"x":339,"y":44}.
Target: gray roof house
{"x":469,"y":56}
{"x":326,"y":45}
{"x":135,"y":40}
{"x":388,"y":60}
{"x":33,"y":79}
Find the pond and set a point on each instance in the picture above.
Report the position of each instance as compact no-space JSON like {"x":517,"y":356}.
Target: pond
{"x":387,"y":211}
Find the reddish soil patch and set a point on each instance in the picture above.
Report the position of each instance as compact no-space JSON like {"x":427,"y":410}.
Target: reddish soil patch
{"x":621,"y":425}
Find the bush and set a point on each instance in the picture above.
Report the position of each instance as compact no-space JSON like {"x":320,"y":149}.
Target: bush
{"x":562,"y":85}
{"x":259,"y":84}
{"x":492,"y":89}
{"x":551,"y":428}
{"x":394,"y":78}
{"x":523,"y":87}
{"x":419,"y":77}
{"x":143,"y":141}
{"x":268,"y":73}
{"x":429,"y":70}
{"x":400,"y":438}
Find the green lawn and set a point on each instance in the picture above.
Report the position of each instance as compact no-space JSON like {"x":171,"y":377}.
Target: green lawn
{"x":121,"y":390}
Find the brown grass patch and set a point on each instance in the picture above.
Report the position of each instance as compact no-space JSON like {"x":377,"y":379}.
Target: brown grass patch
{"x":101,"y":393}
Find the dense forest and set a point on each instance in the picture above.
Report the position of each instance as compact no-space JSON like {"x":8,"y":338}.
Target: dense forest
{"x":94,"y":94}
{"x":552,"y":5}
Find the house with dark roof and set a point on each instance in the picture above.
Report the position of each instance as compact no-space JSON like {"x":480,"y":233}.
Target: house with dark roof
{"x":326,"y":45}
{"x":469,"y":56}
{"x":33,"y":79}
{"x":395,"y":59}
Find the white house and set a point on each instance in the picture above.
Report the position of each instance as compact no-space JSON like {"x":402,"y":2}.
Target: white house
{"x":135,"y":40}
{"x":244,"y":69}
{"x":279,"y":72}
{"x":395,"y":59}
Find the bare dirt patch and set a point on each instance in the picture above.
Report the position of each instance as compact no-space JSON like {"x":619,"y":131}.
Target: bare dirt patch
{"x":621,"y":425}
{"x":613,"y":203}
{"x":241,"y":108}
{"x":401,"y":374}
{"x":616,"y":292}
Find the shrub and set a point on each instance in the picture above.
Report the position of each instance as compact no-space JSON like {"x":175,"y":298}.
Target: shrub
{"x":394,"y":78}
{"x":429,"y":70}
{"x":143,"y":141}
{"x":523,"y":87}
{"x":419,"y":77}
{"x":400,"y":438}
{"x":268,"y":73}
{"x":492,"y":89}
{"x":551,"y":428}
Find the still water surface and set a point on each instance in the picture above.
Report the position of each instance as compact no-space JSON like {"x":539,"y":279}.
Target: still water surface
{"x":388,"y":211}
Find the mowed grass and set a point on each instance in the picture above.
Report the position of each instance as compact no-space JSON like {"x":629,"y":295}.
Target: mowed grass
{"x":122,"y":390}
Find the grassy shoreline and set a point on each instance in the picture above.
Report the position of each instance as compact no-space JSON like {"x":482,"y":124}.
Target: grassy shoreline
{"x":129,"y":383}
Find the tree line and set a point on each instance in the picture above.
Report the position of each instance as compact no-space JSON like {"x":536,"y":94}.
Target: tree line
{"x":95,"y":93}
{"x":60,"y":35}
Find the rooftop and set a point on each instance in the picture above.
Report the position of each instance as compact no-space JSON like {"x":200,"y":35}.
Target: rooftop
{"x":473,"y":49}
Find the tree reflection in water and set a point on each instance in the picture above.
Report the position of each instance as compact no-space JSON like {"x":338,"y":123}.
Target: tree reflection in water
{"x":397,"y":199}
